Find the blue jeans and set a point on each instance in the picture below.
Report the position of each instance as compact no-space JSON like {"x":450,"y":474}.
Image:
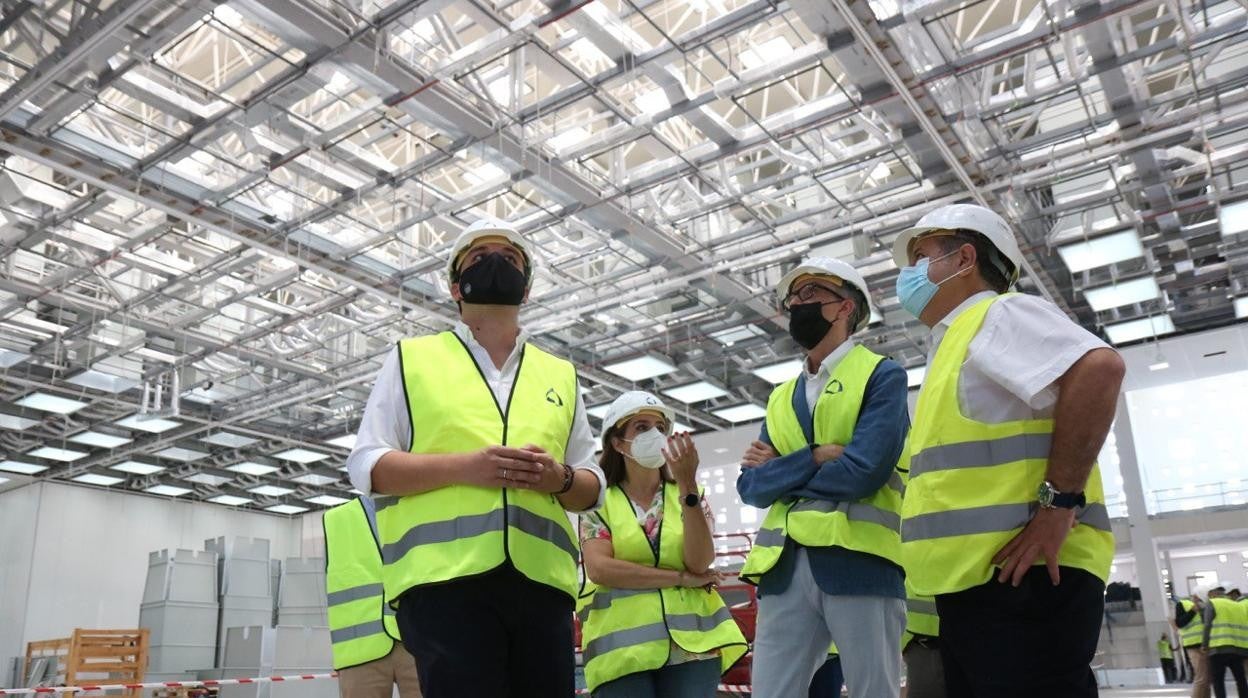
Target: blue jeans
{"x":689,"y":680}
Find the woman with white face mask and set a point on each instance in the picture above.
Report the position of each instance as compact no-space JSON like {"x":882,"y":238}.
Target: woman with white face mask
{"x":652,"y":623}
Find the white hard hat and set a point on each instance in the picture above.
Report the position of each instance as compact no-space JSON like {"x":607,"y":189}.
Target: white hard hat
{"x":484,"y":228}
{"x":632,"y":403}
{"x":969,"y":217}
{"x":1201,"y":591}
{"x":828,"y":266}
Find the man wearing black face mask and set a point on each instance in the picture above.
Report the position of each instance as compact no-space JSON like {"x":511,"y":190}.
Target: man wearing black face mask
{"x":476,"y":444}
{"x":827,"y":557}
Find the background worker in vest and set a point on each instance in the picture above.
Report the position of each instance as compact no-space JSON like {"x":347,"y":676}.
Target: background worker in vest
{"x":655,"y":627}
{"x":1187,"y":618}
{"x":368,"y":653}
{"x":1166,"y":651}
{"x":482,"y":442}
{"x":1225,"y":641}
{"x":827,"y":557}
{"x":1004,"y":521}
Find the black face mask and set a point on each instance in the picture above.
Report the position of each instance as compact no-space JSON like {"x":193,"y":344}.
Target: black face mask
{"x":807,"y":326}
{"x":492,"y":281}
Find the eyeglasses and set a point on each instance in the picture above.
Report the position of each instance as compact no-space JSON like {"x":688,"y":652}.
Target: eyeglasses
{"x":806,"y":294}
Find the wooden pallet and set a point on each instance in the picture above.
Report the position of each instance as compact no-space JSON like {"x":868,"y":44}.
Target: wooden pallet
{"x":93,"y":657}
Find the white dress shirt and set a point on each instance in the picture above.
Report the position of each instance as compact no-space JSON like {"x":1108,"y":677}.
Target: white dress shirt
{"x":385,"y":425}
{"x":817,"y":381}
{"x":1025,"y":344}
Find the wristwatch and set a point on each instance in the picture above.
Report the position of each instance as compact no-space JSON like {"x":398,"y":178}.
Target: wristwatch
{"x":1050,"y":498}
{"x":691,"y":499}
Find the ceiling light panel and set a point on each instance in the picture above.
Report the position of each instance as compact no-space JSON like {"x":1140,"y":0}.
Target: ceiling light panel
{"x":17,"y":466}
{"x":301,"y":455}
{"x":327,"y":500}
{"x":168,"y":490}
{"x":95,"y":438}
{"x":10,"y":358}
{"x":8,"y":421}
{"x":225,"y":438}
{"x":779,"y":372}
{"x":134,"y":466}
{"x":250,"y":468}
{"x":64,"y":455}
{"x":102,"y":480}
{"x":207,"y":479}
{"x":1122,"y":293}
{"x":700,"y":391}
{"x":271,"y":491}
{"x":230,"y":500}
{"x":105,"y":382}
{"x":1233,"y":218}
{"x":1132,"y":330}
{"x":641,"y":368}
{"x":741,"y":413}
{"x":346,"y":441}
{"x":286,"y":509}
{"x":186,"y":455}
{"x":915,"y":375}
{"x":152,"y":425}
{"x":1101,"y":251}
{"x":51,"y":403}
{"x":314,"y":479}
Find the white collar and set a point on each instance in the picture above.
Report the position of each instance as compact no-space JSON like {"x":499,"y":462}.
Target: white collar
{"x":830,"y":361}
{"x":937,"y":333}
{"x":464,"y":332}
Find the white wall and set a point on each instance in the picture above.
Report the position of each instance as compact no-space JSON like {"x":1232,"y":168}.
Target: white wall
{"x":76,"y":557}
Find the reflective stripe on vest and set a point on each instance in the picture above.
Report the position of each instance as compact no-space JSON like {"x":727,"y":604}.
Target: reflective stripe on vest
{"x":869,"y":525}
{"x":625,"y":631}
{"x":1193,"y":633}
{"x":973,"y":484}
{"x":461,"y":530}
{"x":362,"y":628}
{"x":921,"y":618}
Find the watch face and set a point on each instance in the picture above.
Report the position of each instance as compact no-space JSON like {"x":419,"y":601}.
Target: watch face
{"x":691,"y":500}
{"x":1045,"y":494}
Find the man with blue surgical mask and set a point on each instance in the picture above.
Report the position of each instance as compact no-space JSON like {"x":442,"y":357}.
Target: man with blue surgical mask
{"x":1004,"y":518}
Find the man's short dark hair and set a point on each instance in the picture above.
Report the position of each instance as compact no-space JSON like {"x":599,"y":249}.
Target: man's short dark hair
{"x":993,"y":267}
{"x":860,"y":305}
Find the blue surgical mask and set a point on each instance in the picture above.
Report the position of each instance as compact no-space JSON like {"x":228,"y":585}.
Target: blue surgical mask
{"x":914,"y":289}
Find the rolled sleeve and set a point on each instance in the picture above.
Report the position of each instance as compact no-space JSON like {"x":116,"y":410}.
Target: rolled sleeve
{"x":580,"y":454}
{"x":385,"y":426}
{"x":1027,"y":345}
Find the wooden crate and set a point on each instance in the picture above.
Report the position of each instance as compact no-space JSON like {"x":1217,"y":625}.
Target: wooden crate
{"x":95,"y":657}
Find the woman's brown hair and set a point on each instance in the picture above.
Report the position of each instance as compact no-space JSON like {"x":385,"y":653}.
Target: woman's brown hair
{"x":612,"y":461}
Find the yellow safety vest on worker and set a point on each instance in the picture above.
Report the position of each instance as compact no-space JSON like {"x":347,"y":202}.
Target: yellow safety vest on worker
{"x":1164,"y":649}
{"x":973,"y":485}
{"x":362,"y":627}
{"x":1192,"y":634}
{"x":1230,"y":624}
{"x":868,"y":525}
{"x":626,"y":631}
{"x":465,"y":530}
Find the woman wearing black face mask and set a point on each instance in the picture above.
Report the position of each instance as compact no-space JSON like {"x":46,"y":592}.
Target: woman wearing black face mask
{"x":827,"y":557}
{"x":480,"y":445}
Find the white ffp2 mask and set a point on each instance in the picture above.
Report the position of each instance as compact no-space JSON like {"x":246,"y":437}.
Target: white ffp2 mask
{"x":647,"y":449}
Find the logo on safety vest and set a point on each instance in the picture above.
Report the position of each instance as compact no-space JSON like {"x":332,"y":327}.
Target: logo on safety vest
{"x":834,"y":387}
{"x":553,"y":398}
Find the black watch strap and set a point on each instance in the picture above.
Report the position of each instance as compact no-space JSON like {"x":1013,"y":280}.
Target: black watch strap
{"x":1069,"y":500}
{"x":692,"y":499}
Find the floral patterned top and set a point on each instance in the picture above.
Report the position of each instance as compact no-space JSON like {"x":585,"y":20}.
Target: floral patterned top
{"x":592,"y":528}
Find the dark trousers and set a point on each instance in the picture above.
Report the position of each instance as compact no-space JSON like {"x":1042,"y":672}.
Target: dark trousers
{"x":498,"y":635}
{"x":1034,"y":641}
{"x":1218,"y":664}
{"x":828,"y":680}
{"x":1167,"y":669}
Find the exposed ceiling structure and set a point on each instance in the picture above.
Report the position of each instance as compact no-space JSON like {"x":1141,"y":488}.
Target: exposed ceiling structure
{"x":216,"y":219}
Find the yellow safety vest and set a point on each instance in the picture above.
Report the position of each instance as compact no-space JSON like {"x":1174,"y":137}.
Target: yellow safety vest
{"x":1230,"y":624}
{"x":921,"y":618}
{"x":1163,"y":649}
{"x":626,"y":631}
{"x":466,"y":530}
{"x":362,"y":627}
{"x":973,"y":485}
{"x":1192,"y":634}
{"x":868,"y":525}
